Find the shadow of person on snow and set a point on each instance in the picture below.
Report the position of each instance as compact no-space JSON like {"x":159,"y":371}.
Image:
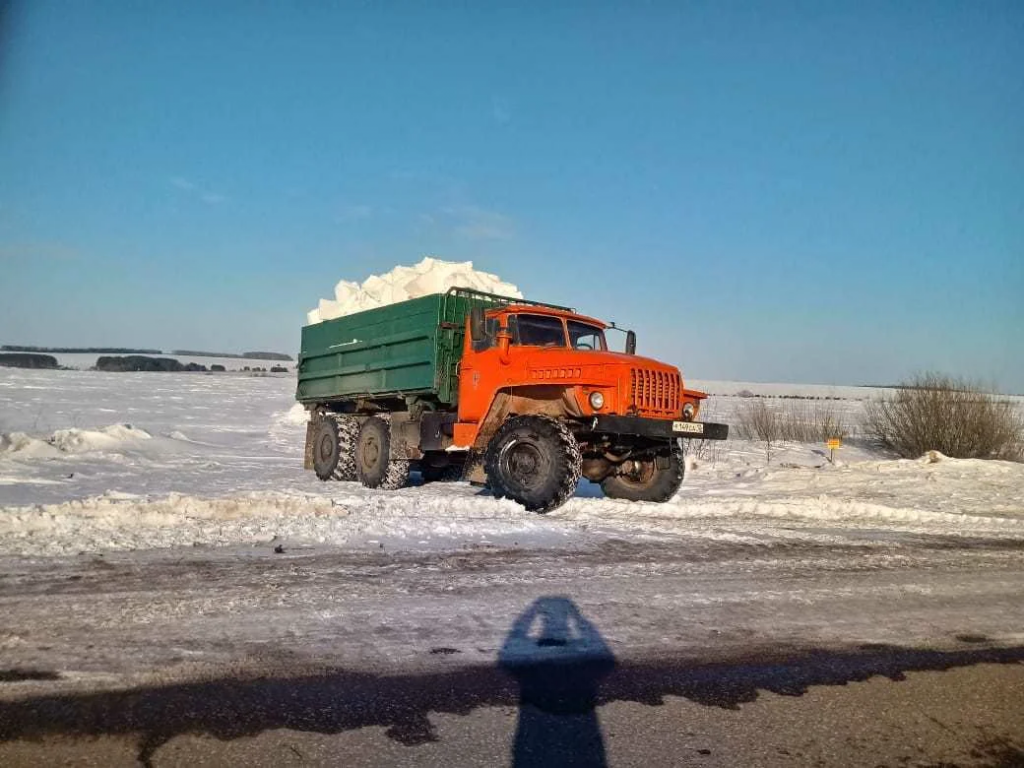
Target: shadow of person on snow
{"x":558,"y":658}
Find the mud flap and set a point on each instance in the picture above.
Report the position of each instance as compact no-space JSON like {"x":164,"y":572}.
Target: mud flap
{"x":474,"y":473}
{"x":307,"y":460}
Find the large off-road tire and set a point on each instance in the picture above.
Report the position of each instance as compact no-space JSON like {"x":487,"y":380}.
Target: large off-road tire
{"x":650,"y":482}
{"x":348,"y":432}
{"x":326,"y":447}
{"x":374,"y":465}
{"x":334,"y":439}
{"x":534,"y":460}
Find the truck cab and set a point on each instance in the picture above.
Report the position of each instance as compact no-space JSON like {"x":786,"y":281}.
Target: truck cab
{"x":530,"y":346}
{"x":526,"y":370}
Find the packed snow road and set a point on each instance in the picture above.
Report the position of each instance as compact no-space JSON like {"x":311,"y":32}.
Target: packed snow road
{"x":168,"y":572}
{"x":618,"y":653}
{"x":127,"y":616}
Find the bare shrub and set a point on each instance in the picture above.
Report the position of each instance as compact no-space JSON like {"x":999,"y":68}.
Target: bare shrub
{"x":935,"y":412}
{"x":811,"y":422}
{"x":797,"y":421}
{"x":704,"y":451}
{"x":828,"y":421}
{"x":760,"y":421}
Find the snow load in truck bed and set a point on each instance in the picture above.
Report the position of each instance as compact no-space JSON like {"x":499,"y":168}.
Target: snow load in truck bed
{"x":401,"y":283}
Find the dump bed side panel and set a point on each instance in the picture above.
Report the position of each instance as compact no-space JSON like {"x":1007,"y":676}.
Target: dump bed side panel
{"x":409,"y":348}
{"x":390,"y":350}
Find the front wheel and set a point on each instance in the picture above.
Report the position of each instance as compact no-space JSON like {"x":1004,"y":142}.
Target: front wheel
{"x":534,"y":460}
{"x":655,"y":479}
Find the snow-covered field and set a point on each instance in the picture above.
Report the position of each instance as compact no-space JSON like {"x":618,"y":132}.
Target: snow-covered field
{"x":98,"y":462}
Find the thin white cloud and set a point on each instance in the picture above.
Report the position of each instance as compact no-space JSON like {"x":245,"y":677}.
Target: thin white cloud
{"x":475,"y":223}
{"x":208,"y":196}
{"x":356,"y":212}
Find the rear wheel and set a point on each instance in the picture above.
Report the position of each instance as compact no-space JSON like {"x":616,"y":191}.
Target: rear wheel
{"x":348,"y":433}
{"x":326,"y":447}
{"x":374,"y":465}
{"x":534,"y":460}
{"x":655,"y":479}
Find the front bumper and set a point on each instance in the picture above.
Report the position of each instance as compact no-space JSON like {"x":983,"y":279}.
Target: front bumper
{"x":662,"y":429}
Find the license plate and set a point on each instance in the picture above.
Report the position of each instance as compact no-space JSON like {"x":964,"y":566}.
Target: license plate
{"x":688,"y":427}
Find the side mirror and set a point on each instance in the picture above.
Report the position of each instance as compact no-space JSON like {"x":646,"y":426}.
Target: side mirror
{"x":477,"y":331}
{"x":630,"y":342}
{"x":504,"y":341}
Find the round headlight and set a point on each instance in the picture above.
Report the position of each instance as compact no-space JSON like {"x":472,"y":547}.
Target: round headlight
{"x":596,"y":401}
{"x":688,"y":411}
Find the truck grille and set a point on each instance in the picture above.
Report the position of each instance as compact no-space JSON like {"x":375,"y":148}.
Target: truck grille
{"x":655,"y":391}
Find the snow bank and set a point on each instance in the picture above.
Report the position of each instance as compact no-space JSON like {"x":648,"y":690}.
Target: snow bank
{"x":22,"y":445}
{"x":122,"y":521}
{"x":873,"y":504}
{"x":117,"y":521}
{"x":401,"y":283}
{"x":296,"y":416}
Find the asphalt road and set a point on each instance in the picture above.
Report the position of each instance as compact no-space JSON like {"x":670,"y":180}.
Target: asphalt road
{"x":877,"y":708}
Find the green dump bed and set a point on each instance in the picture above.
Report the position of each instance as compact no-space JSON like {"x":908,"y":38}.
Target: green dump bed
{"x":408,"y":348}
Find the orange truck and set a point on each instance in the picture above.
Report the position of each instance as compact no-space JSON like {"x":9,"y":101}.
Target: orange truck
{"x":521,"y":396}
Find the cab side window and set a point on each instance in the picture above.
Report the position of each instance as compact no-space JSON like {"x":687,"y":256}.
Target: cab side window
{"x":583,"y":336}
{"x":537,"y":331}
{"x":490,"y":338}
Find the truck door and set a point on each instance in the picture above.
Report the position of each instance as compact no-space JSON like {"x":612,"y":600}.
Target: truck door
{"x":478,"y":373}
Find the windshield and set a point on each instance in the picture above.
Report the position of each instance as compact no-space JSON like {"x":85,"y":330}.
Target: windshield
{"x":583,"y":336}
{"x":537,"y":331}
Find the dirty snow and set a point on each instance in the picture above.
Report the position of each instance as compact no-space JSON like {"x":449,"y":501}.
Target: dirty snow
{"x":218,"y":461}
{"x":402,"y":283}
{"x":73,"y":440}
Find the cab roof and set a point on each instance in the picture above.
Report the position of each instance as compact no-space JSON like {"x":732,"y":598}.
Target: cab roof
{"x":533,"y":309}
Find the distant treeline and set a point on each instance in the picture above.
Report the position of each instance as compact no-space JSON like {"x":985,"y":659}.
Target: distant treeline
{"x":27,"y":360}
{"x":133,"y":351}
{"x":131,"y":363}
{"x":80,"y":350}
{"x":137,"y":363}
{"x":243,"y":356}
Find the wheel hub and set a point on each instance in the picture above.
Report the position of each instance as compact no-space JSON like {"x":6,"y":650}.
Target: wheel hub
{"x":326,"y":448}
{"x":370,"y":452}
{"x":639,"y":472}
{"x":523,"y":463}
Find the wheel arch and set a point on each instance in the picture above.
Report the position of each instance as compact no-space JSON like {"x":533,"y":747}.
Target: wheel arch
{"x":556,"y":401}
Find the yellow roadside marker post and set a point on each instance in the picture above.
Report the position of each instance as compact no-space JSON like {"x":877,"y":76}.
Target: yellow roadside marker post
{"x":834,"y":444}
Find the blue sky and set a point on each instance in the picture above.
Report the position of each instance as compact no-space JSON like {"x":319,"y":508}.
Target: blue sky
{"x":818,"y":192}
